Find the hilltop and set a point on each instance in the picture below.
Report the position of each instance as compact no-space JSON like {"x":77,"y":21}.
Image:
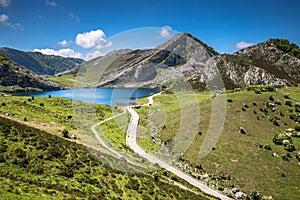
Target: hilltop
{"x":15,"y":78}
{"x":185,"y":58}
{"x":40,"y":63}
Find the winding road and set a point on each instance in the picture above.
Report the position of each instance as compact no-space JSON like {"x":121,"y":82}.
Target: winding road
{"x":101,"y":141}
{"x":131,"y":142}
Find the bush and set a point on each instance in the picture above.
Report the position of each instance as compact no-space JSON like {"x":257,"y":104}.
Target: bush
{"x":267,"y":147}
{"x":297,"y":127}
{"x":229,"y":100}
{"x":41,"y":104}
{"x":242,"y":130}
{"x":65,"y":133}
{"x":290,"y":147}
{"x":286,"y":96}
{"x":278,"y":102}
{"x":275,"y":122}
{"x":279,"y":138}
{"x":69,"y":117}
{"x":257,"y":91}
{"x":289,"y":103}
{"x":254,"y":195}
{"x":3,"y":104}
{"x":297,"y":107}
{"x":271,"y":98}
{"x":49,"y":96}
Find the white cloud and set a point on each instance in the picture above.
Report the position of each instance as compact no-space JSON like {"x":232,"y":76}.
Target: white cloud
{"x":165,"y":31}
{"x":93,"y":39}
{"x":93,"y":54}
{"x":74,"y":17}
{"x":243,"y":44}
{"x":62,"y":52}
{"x":64,"y":43}
{"x":51,"y":3}
{"x":3,"y":18}
{"x":5,"y":21}
{"x":5,"y":3}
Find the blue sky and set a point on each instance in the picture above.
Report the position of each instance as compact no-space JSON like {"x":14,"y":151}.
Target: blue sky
{"x":82,"y":27}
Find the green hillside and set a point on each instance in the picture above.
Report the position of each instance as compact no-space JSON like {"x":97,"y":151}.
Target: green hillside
{"x":242,"y":159}
{"x":15,"y":78}
{"x":40,"y":63}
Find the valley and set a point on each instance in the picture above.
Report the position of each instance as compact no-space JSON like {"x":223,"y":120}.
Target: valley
{"x":225,"y":123}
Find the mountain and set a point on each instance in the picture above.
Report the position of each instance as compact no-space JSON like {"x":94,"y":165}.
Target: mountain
{"x":40,"y":63}
{"x":15,"y":78}
{"x":181,"y":56}
{"x":274,"y":61}
{"x":184,"y":58}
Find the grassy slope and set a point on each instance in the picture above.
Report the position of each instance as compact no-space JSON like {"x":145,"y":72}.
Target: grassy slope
{"x":64,"y":79}
{"x":249,"y":166}
{"x":38,"y":165}
{"x":51,"y":115}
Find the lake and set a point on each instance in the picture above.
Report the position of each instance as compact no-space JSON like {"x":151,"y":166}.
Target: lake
{"x":108,"y":96}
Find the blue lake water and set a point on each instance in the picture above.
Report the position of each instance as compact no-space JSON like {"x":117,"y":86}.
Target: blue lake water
{"x":108,"y":96}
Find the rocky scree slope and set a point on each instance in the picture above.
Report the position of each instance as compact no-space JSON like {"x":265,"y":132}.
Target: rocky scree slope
{"x":185,"y":58}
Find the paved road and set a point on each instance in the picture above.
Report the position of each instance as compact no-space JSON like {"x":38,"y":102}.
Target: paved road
{"x":101,"y":141}
{"x":131,"y":142}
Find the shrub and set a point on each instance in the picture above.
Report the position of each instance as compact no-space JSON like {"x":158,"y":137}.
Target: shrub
{"x":279,"y":138}
{"x":271,"y":98}
{"x":286,"y":96}
{"x":41,"y":104}
{"x":69,"y":117}
{"x":278,"y":102}
{"x":289,"y":103}
{"x":254,"y":103}
{"x":242,"y":130}
{"x":297,"y":107}
{"x":229,"y":100}
{"x":275,"y":122}
{"x":281,"y":114}
{"x":290,"y":147}
{"x":297,"y":127}
{"x":285,"y":158}
{"x":49,"y":96}
{"x":65,"y":133}
{"x":257,"y":91}
{"x":267,"y":147}
{"x":254,"y":195}
{"x":3,"y":104}
{"x":32,"y":97}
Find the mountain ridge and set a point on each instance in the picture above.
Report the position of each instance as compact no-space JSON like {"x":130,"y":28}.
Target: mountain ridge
{"x":40,"y":63}
{"x":186,"y":58}
{"x":15,"y":78}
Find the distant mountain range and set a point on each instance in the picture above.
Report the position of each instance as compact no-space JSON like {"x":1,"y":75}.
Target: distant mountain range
{"x":15,"y":78}
{"x":186,"y":58}
{"x":40,"y":63}
{"x":182,"y":59}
